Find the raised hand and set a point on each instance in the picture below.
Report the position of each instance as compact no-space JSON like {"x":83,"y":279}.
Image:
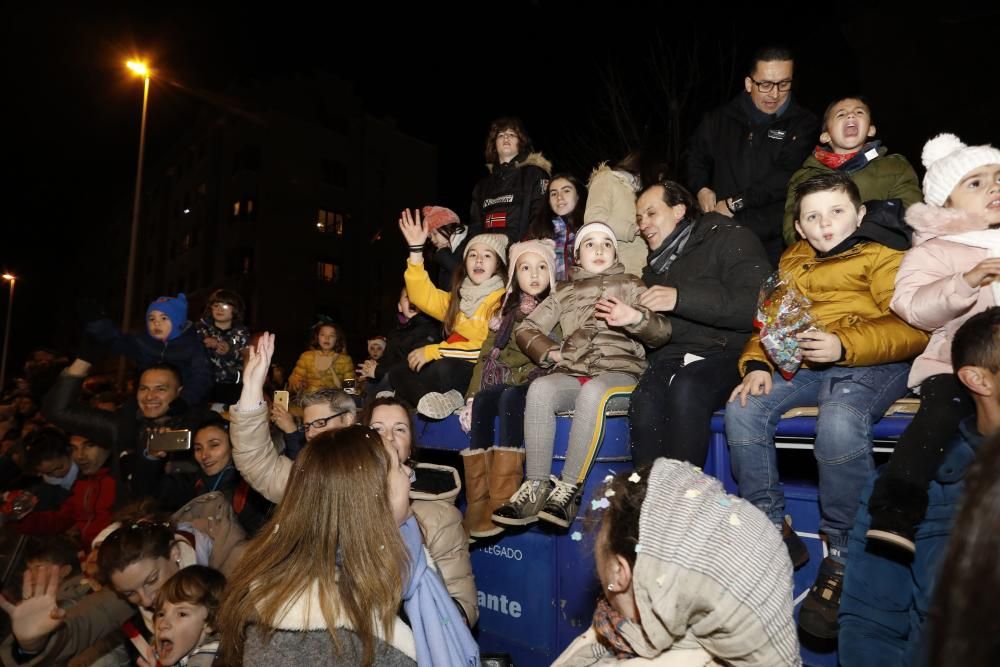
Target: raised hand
{"x":37,"y":615}
{"x":413,"y":228}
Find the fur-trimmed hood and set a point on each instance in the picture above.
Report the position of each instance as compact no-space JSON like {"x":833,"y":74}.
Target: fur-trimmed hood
{"x":627,"y":179}
{"x":932,"y":221}
{"x":530,"y":160}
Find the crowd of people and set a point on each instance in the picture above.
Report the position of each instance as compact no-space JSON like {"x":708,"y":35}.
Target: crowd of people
{"x":223,"y":512}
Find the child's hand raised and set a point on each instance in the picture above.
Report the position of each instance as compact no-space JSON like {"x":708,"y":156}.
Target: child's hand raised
{"x":984,"y":273}
{"x":413,"y":229}
{"x":616,"y":313}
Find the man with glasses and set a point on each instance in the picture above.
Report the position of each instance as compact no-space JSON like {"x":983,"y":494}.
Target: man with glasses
{"x":322,"y":410}
{"x":741,"y":156}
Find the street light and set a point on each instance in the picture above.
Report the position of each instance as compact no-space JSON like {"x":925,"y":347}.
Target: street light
{"x":6,"y":336}
{"x":142,"y":70}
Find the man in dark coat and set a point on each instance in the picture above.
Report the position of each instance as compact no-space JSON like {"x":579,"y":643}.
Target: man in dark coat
{"x":743,"y":153}
{"x":704,"y":273}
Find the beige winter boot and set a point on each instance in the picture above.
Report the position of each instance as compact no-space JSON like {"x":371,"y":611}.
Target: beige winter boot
{"x":477,"y":463}
{"x":506,"y":474}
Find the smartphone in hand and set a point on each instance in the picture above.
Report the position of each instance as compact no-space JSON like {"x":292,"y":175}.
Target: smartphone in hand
{"x":169,"y":441}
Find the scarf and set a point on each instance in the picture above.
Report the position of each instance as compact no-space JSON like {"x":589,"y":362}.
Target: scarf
{"x":66,"y":481}
{"x":661,"y":258}
{"x":473,"y":295}
{"x":496,"y":372}
{"x":606,"y":622}
{"x":986,"y":238}
{"x":831,"y":159}
{"x":439,"y":632}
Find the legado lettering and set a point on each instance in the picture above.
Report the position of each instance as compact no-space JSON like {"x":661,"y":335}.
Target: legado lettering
{"x":504,"y":552}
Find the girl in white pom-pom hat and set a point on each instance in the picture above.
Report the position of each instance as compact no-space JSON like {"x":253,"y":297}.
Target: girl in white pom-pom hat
{"x":951,"y":273}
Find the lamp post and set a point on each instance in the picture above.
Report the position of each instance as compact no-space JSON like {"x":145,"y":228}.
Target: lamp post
{"x":6,"y":336}
{"x":142,"y":70}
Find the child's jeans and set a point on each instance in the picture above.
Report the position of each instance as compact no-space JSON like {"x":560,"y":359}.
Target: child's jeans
{"x":849,"y":400}
{"x":507,"y":403}
{"x":559,"y":392}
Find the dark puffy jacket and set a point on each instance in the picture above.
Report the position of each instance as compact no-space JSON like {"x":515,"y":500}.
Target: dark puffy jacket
{"x":737,"y":156}
{"x":717,"y":277}
{"x":186,"y":352}
{"x":509,"y":198}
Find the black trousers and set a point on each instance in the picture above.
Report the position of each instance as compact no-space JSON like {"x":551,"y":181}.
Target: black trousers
{"x":438,"y":376}
{"x":901,"y":488}
{"x":671,"y":418}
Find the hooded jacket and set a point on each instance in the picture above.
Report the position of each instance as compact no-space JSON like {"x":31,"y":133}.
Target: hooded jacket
{"x":509,"y":198}
{"x":850,"y":288}
{"x":611,"y":198}
{"x":591,"y":347}
{"x":877,"y":175}
{"x":930,"y":291}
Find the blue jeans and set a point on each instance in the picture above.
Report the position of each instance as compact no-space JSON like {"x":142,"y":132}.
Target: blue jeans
{"x":505,"y":402}
{"x":849,"y":400}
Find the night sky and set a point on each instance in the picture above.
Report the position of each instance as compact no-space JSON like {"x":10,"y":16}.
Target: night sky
{"x":72,"y":111}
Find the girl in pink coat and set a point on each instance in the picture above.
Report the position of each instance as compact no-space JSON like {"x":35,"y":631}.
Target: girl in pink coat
{"x":951,"y":273}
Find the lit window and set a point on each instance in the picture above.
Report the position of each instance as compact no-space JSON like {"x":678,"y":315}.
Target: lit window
{"x":326,"y":271}
{"x":331,"y":222}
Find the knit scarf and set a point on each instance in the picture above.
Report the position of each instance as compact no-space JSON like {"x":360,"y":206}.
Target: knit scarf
{"x":473,"y":295}
{"x":986,"y":238}
{"x":606,"y":622}
{"x":661,"y":258}
{"x":496,"y":372}
{"x":439,"y":632}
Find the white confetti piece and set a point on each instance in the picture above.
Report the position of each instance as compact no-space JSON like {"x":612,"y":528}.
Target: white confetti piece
{"x":634,"y":478}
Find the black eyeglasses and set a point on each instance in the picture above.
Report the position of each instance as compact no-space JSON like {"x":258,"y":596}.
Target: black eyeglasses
{"x":767,"y":86}
{"x":321,"y":422}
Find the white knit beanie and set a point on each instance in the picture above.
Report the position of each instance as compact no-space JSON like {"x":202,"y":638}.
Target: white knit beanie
{"x":495,"y":242}
{"x":948,"y":160}
{"x":545,"y":248}
{"x":590,"y":228}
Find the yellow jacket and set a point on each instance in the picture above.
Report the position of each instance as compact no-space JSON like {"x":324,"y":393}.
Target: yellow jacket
{"x":428,"y":298}
{"x":850,"y":294}
{"x":306,"y":375}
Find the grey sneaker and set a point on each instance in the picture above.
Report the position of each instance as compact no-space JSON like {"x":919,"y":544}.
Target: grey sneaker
{"x":562,"y":504}
{"x":439,"y":406}
{"x":523,"y":506}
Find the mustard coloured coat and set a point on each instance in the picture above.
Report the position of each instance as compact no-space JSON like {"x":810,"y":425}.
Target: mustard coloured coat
{"x":850,"y":293}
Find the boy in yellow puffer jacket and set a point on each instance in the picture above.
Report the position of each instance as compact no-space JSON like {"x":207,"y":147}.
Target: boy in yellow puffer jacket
{"x":853,"y":369}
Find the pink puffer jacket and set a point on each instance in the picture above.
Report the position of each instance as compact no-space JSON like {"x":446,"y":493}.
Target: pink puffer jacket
{"x":930,"y":291}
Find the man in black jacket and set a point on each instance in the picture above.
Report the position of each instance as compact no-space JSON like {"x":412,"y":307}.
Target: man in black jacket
{"x":704,"y":273}
{"x":126,"y":431}
{"x":743,"y":153}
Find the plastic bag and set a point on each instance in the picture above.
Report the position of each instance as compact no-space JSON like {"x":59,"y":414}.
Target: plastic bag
{"x":782,"y":314}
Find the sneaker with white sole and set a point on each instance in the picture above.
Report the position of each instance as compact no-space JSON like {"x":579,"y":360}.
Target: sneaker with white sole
{"x":523,"y":506}
{"x":562,"y":504}
{"x":438,"y":406}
